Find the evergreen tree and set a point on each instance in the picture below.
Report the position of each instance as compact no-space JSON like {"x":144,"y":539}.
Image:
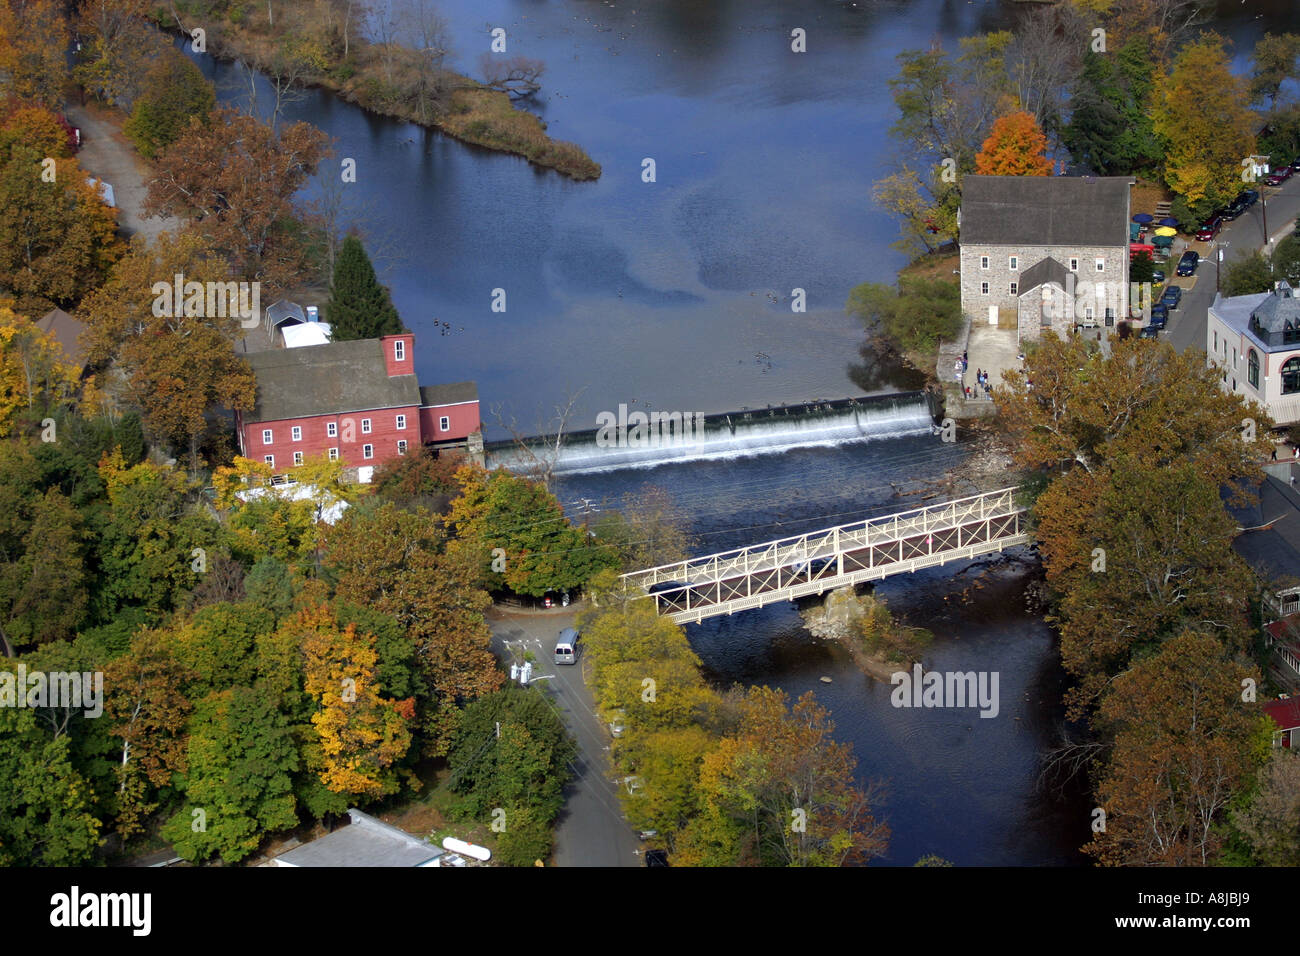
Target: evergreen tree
{"x":359,"y":307}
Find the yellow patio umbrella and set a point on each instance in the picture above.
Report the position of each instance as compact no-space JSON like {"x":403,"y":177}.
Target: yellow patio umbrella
{"x":1166,"y":231}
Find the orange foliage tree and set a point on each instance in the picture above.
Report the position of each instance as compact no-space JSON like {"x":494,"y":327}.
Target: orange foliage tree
{"x":1016,"y":146}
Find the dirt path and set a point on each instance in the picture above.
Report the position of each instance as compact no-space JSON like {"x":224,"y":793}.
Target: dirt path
{"x":107,"y":154}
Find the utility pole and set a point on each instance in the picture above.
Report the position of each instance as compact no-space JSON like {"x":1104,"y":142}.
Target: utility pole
{"x":1219,"y":246}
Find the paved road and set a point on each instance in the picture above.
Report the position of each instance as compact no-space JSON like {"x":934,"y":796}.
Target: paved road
{"x":1187,"y":324}
{"x":591,"y":830}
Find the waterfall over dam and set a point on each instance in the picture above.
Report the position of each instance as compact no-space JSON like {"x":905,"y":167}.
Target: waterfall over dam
{"x":724,"y":435}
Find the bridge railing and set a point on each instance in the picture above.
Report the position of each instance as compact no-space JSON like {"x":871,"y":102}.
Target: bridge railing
{"x":828,"y":543}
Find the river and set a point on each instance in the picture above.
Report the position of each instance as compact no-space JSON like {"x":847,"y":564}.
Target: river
{"x":675,"y":295}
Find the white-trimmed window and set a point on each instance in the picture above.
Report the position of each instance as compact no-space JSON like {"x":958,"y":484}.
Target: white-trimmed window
{"x":297,"y":458}
{"x":1101,"y":264}
{"x":1074,"y":265}
{"x":444,"y":424}
{"x":399,"y":351}
{"x":296,"y":432}
{"x":401,"y":422}
{"x":332,"y":430}
{"x":401,"y":447}
{"x":1014,"y":287}
{"x":266,"y":436}
{"x":367,"y":451}
{"x":984,"y":288}
{"x":365,"y":426}
{"x":984,"y":262}
{"x":334,"y":454}
{"x":270,"y":460}
{"x":1013,"y":263}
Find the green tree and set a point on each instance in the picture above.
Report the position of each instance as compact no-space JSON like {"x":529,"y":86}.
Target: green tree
{"x":239,"y":786}
{"x":911,"y":318}
{"x":542,"y":551}
{"x":44,"y":585}
{"x":45,"y":803}
{"x":175,"y":92}
{"x":1247,"y":274}
{"x":1110,"y":125}
{"x":1272,"y":64}
{"x":525,"y":765}
{"x":1270,"y":820}
{"x":359,"y":307}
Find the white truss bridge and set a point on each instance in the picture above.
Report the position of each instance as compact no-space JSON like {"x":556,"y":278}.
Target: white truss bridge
{"x":820,"y":561}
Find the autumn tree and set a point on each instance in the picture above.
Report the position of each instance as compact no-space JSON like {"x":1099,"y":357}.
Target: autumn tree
{"x":647,"y":530}
{"x":233,"y":182}
{"x":362,"y":734}
{"x":174,"y":92}
{"x":57,"y":237}
{"x":1016,"y":146}
{"x":146,"y":702}
{"x":420,"y":478}
{"x":177,"y":366}
{"x":542,"y":551}
{"x":432,"y":594}
{"x":1269,"y":820}
{"x":1201,"y":112}
{"x":1133,"y":534}
{"x":117,"y":47}
{"x":781,"y":791}
{"x":34,"y":373}
{"x":39,"y":128}
{"x":359,"y":307}
{"x":33,"y":38}
{"x":945,"y":105}
{"x":1183,"y":744}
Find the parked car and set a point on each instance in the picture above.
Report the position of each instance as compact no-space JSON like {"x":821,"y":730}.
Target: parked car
{"x":1171,"y":296}
{"x":1278,"y":176}
{"x":1233,"y":210}
{"x":1188,"y":263}
{"x":1248,"y":197}
{"x":1157,"y":276}
{"x":1295,"y":165}
{"x":1209,"y":229}
{"x":1159,"y":316}
{"x":1148,"y":332}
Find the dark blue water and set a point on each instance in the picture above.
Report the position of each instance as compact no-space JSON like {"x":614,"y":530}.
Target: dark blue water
{"x":675,"y":295}
{"x":955,"y":784}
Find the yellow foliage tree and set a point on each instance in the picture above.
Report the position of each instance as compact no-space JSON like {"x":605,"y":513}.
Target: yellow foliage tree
{"x":32,"y":369}
{"x":1202,"y":113}
{"x":361,"y":733}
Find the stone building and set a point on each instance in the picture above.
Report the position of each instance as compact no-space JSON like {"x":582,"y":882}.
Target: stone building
{"x":1042,"y":252}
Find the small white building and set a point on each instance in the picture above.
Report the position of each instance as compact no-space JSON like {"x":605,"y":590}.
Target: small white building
{"x":1255,"y":342}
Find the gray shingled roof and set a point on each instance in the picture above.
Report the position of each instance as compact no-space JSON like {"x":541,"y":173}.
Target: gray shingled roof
{"x":448,"y":394}
{"x":1045,"y":210}
{"x":1279,"y":311}
{"x":1273,"y":548}
{"x":326,"y":380}
{"x":364,"y":842}
{"x":1045,"y":270}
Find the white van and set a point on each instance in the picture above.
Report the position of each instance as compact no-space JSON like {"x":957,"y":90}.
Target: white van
{"x":566,"y":647}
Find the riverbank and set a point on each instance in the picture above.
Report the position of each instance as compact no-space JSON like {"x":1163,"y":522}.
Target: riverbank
{"x":396,"y":82}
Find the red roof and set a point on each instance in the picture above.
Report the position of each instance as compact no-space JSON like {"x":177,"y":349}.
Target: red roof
{"x":1285,"y":713}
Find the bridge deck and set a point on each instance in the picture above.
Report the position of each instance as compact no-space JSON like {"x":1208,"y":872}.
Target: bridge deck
{"x":819,"y":561}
